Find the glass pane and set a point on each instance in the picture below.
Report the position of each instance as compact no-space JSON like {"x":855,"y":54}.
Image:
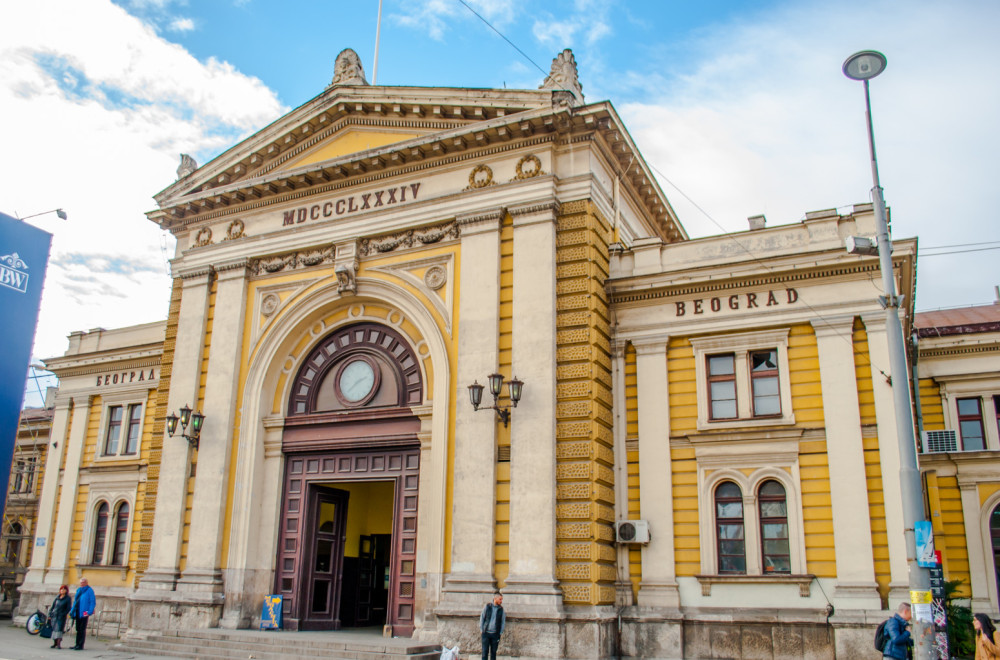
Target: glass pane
{"x":723,"y":390}
{"x":721,"y":365}
{"x":775,"y":531}
{"x":772,"y":510}
{"x":766,"y":386}
{"x":324,"y":556}
{"x":968,"y":406}
{"x":767,"y":405}
{"x":764,"y":360}
{"x":731,"y":547}
{"x":777,"y":565}
{"x":731,"y":532}
{"x":324,"y":521}
{"x":729,"y":510}
{"x":728,"y":489}
{"x":321,"y":593}
{"x":772,"y":487}
{"x":732,"y":565}
{"x":972,"y":436}
{"x":723,"y":409}
{"x":995,"y":520}
{"x":776,"y":547}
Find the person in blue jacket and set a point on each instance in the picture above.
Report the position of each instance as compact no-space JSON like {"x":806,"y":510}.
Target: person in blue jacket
{"x":84,"y":604}
{"x":899,"y":641}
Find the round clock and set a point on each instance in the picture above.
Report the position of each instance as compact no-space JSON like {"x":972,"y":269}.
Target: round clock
{"x":357,"y":381}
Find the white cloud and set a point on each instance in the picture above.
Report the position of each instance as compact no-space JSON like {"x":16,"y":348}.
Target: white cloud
{"x":181,"y":24}
{"x":765,"y":122}
{"x":96,"y":119}
{"x":434,"y":16}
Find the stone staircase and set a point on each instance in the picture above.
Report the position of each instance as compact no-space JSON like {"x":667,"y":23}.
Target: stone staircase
{"x":215,"y":644}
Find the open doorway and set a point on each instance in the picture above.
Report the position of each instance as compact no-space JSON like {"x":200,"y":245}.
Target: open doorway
{"x":364,"y":589}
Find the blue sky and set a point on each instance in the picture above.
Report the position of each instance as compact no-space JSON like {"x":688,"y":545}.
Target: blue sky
{"x":740,"y":106}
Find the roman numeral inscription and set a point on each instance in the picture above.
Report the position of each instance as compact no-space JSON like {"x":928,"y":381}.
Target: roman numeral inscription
{"x":348,"y":205}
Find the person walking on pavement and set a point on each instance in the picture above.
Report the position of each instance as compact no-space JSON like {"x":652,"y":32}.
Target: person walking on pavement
{"x":899,"y":637}
{"x":84,"y":604}
{"x":491,"y":624}
{"x":58,"y":613}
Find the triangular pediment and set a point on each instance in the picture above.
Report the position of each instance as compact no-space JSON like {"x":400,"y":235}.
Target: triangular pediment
{"x":350,"y":140}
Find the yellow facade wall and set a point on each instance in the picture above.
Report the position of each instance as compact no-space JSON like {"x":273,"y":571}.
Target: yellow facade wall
{"x":505,"y":338}
{"x":632,"y":456}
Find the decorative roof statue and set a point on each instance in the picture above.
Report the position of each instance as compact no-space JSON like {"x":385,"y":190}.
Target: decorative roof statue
{"x":347,"y":70}
{"x":187,"y":166}
{"x":563,"y":75}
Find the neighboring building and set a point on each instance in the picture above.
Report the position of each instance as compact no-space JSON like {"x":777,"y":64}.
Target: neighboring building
{"x":344,"y":275}
{"x":23,"y":488}
{"x":959,"y":416}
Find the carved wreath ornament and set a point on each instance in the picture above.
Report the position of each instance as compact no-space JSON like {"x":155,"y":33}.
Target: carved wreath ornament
{"x":203,"y":237}
{"x":480,"y":177}
{"x":533,"y":169}
{"x":235,"y":230}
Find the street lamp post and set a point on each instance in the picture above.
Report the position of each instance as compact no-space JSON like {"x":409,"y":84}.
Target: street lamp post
{"x":864,"y":66}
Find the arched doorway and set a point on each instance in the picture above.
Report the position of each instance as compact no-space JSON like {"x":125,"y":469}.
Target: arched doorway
{"x":995,"y":544}
{"x":347,"y":545}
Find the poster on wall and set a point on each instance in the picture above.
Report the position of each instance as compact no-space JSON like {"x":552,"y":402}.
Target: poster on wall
{"x":270,"y":614}
{"x":24,"y":256}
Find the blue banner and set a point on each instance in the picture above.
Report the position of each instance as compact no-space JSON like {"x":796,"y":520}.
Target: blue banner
{"x":924,"y":533}
{"x":270,"y":615}
{"x":24,"y":255}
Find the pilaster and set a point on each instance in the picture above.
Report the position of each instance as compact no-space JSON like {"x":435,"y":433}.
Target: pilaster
{"x":531,"y":585}
{"x":470,"y":576}
{"x":63,"y":537}
{"x":164,"y":559}
{"x":658,"y":587}
{"x":885,"y":412}
{"x":979,"y":580}
{"x":203,"y":571}
{"x":623,"y":582}
{"x":856,"y":586}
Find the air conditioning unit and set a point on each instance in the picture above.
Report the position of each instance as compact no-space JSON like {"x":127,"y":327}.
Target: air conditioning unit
{"x":632,"y":531}
{"x":940,"y":441}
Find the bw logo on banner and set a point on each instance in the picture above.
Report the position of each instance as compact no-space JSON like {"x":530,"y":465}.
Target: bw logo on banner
{"x":14,"y":272}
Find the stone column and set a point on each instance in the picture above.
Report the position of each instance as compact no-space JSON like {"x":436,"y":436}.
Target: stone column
{"x":658,"y":587}
{"x":980,"y":580}
{"x":856,"y":586}
{"x":175,"y":465}
{"x":470,"y":577}
{"x":623,"y":583}
{"x":67,"y":476}
{"x":888,"y":449}
{"x":531,"y":583}
{"x":47,"y":502}
{"x":203,"y":571}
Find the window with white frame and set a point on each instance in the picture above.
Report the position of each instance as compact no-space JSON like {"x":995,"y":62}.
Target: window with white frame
{"x":109,"y":539}
{"x":751,"y":525}
{"x":122,"y":429}
{"x":743,"y":379}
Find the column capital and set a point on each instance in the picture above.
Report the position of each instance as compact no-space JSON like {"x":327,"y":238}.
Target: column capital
{"x":650,"y":345}
{"x":828,"y":326}
{"x":533,"y":212}
{"x":194,"y":275}
{"x":232,"y":268}
{"x":874,"y":321}
{"x":482,"y":221}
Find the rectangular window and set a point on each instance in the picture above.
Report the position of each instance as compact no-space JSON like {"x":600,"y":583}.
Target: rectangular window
{"x":764,"y":383}
{"x":114,"y":430}
{"x":970,"y":424}
{"x":996,"y":410}
{"x":132,"y":431}
{"x":722,"y":386}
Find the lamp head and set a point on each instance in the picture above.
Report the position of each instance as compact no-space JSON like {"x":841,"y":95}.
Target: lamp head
{"x":171,"y":424}
{"x":864,"y":65}
{"x":196,"y":421}
{"x":61,"y":214}
{"x":514,"y":386}
{"x":496,"y":382}
{"x":185,"y":416}
{"x":476,"y":394}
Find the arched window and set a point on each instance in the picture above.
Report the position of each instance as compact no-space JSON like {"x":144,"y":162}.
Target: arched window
{"x":14,"y":543}
{"x":121,"y":541}
{"x":729,"y":530}
{"x":774,"y":527}
{"x":995,"y":540}
{"x":100,"y":533}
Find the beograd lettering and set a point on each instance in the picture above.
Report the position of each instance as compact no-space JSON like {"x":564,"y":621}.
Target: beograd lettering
{"x":347,"y":205}
{"x":736,"y":302}
{"x":123,"y":377}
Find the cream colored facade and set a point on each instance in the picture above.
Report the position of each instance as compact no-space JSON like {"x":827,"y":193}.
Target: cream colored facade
{"x":342,"y":277}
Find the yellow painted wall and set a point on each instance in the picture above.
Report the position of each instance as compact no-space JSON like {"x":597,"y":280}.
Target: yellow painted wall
{"x":930,"y":405}
{"x":369,"y":511}
{"x":346,"y":142}
{"x":632,"y":458}
{"x":501,"y":549}
{"x":681,"y":382}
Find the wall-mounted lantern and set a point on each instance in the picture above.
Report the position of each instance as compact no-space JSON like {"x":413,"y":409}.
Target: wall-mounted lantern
{"x":187,"y":417}
{"x":514,"y":387}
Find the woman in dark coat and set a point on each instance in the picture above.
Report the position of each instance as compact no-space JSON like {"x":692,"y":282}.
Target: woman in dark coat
{"x":57,"y":614}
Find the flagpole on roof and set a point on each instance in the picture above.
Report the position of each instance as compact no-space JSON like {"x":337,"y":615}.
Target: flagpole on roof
{"x":378,"y":29}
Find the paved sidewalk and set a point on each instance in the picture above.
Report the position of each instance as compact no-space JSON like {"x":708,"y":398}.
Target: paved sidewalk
{"x":16,"y":644}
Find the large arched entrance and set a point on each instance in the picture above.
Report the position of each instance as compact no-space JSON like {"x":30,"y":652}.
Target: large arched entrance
{"x":347,"y":544}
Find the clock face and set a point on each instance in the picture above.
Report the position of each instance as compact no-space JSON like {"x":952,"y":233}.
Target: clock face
{"x":357,"y":380}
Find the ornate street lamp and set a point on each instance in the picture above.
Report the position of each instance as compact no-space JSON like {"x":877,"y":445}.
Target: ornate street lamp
{"x":514,"y":387}
{"x":187,"y":417}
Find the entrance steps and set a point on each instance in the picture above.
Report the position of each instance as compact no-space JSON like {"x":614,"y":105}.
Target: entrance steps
{"x":216,"y":644}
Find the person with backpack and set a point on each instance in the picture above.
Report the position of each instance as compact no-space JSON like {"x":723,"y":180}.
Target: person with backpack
{"x":491,"y":625}
{"x":898,"y":640}
{"x":987,"y":642}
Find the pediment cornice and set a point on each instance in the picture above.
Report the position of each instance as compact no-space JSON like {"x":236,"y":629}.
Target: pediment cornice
{"x":247,"y":177}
